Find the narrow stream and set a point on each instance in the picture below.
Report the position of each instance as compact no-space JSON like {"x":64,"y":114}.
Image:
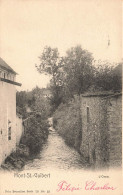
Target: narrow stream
{"x":56,"y":154}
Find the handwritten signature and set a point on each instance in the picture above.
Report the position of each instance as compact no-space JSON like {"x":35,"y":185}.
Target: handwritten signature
{"x":89,"y":185}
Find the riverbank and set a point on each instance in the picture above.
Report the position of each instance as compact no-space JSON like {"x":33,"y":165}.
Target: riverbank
{"x":67,"y":122}
{"x":17,"y":159}
{"x":36,"y":131}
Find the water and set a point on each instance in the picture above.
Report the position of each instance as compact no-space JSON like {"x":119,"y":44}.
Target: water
{"x":56,"y":154}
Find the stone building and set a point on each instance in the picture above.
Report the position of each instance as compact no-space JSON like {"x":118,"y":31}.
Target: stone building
{"x":7,"y":110}
{"x":102,"y":128}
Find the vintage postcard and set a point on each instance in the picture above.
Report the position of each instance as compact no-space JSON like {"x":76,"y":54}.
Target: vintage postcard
{"x":61,"y":97}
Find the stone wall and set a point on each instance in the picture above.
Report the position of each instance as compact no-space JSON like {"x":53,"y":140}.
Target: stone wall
{"x":101,"y":129}
{"x":114,"y":115}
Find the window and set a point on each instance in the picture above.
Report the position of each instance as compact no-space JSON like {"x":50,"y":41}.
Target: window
{"x":87,"y":114}
{"x":9,"y":133}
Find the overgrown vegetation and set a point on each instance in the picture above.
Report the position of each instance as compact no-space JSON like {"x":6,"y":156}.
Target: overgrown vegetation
{"x":108,"y":77}
{"x":30,"y":102}
{"x":35,"y":109}
{"x":76,"y":72}
{"x":72,"y":75}
{"x":67,"y":122}
{"x":36,"y":133}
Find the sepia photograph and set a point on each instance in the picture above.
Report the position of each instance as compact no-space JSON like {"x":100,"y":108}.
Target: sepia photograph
{"x":61,"y":97}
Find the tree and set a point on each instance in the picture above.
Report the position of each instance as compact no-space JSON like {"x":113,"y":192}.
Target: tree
{"x":34,"y":100}
{"x":50,"y":64}
{"x":78,"y":70}
{"x":21,"y":101}
{"x":75,"y":73}
{"x":108,"y":77}
{"x":41,"y":104}
{"x":71,"y":74}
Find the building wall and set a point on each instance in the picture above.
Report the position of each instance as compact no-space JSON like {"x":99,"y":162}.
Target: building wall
{"x":19,"y":129}
{"x":101,"y":130}
{"x":7,"y":119}
{"x":7,"y":75}
{"x":114,"y":114}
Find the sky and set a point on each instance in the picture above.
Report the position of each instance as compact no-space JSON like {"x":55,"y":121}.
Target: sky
{"x":27,"y":26}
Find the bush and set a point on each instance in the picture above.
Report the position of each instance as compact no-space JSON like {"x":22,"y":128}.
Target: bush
{"x":67,"y":122}
{"x":108,"y":77}
{"x":36,"y":132}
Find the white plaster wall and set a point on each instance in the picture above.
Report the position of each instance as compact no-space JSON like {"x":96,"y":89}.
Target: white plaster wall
{"x":19,"y":129}
{"x":7,"y":112}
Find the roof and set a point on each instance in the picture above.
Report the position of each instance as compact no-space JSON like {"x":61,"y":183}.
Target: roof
{"x":10,"y":82}
{"x":5,"y":66}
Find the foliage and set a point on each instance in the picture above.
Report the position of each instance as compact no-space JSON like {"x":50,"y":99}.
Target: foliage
{"x":67,"y":122}
{"x":35,"y":109}
{"x":108,"y":77}
{"x":36,"y":133}
{"x":21,"y":101}
{"x":50,"y":63}
{"x":70,"y":74}
{"x":76,"y":72}
{"x":34,"y":101}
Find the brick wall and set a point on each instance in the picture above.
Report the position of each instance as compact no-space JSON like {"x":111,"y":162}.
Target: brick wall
{"x":101,"y":130}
